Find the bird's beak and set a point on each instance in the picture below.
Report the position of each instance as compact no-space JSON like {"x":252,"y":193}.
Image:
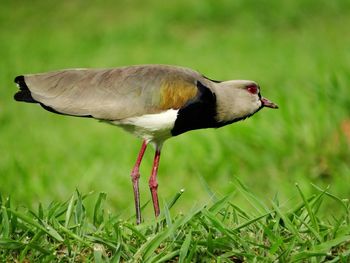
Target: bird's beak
{"x":266,"y":103}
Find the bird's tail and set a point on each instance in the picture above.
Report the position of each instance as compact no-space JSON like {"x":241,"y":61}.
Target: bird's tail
{"x":24,"y":93}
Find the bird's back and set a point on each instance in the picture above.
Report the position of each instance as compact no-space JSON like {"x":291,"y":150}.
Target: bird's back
{"x":113,"y":94}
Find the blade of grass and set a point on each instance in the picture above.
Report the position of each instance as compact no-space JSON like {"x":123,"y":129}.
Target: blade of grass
{"x":175,"y":198}
{"x":6,"y":243}
{"x":343,"y":258}
{"x":306,"y":255}
{"x":207,"y":188}
{"x":5,"y":225}
{"x":28,"y":246}
{"x":250,"y":197}
{"x":117,"y":255}
{"x":219,"y":225}
{"x":310,"y":213}
{"x":49,"y":230}
{"x":249,"y":222}
{"x":98,"y":209}
{"x":341,"y":202}
{"x":327,"y":246}
{"x":69,"y":211}
{"x":299,"y":207}
{"x":135,"y":231}
{"x":73,"y":235}
{"x":147,"y":249}
{"x":289,"y":225}
{"x":192,"y":252}
{"x":40,"y":211}
{"x":184,"y":247}
{"x":218,"y":205}
{"x":79,"y":210}
{"x":167,"y":215}
{"x":312,"y":230}
{"x":210,"y":246}
{"x":165,"y":258}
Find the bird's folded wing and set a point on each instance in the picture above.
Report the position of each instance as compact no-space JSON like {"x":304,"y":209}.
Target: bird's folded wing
{"x":114,"y":94}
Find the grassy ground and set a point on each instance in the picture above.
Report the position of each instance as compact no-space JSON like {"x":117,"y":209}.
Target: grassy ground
{"x":216,"y":232}
{"x":299,"y":53}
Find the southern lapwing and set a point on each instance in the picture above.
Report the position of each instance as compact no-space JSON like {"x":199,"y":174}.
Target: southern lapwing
{"x":154,"y":102}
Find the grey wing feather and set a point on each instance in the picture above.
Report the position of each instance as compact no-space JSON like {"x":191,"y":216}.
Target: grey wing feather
{"x":108,"y":94}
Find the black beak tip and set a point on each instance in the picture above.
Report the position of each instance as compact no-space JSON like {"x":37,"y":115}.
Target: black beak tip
{"x":269,"y":104}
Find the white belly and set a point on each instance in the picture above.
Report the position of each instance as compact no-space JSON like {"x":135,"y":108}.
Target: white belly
{"x":154,"y":128}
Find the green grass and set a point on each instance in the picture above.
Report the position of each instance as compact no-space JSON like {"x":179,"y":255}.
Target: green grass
{"x":298,"y":51}
{"x":218,"y":231}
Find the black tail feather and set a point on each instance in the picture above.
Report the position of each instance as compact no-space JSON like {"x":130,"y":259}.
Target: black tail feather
{"x":20,"y":81}
{"x":24,"y":93}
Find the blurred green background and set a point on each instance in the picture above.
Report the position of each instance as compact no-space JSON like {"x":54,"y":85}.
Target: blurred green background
{"x":298,"y":51}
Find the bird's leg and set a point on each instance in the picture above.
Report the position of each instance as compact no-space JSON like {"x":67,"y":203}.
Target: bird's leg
{"x":153,"y":184}
{"x":135,"y":175}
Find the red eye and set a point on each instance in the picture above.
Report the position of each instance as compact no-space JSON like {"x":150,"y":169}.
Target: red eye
{"x":252,"y":89}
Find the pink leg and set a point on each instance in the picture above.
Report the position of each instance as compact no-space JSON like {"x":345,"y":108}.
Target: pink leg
{"x":135,"y":175}
{"x":153,"y":184}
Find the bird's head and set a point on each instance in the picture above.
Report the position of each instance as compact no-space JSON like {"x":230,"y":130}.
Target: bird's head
{"x":239,"y":99}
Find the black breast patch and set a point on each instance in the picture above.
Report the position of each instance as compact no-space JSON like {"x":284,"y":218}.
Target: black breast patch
{"x":198,"y":113}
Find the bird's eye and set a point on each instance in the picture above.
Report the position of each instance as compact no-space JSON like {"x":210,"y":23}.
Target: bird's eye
{"x":253,"y":89}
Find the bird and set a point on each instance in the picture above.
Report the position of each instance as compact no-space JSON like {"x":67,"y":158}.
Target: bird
{"x":154,"y":102}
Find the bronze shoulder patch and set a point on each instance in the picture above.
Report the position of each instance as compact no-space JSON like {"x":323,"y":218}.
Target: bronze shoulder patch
{"x":175,"y":93}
